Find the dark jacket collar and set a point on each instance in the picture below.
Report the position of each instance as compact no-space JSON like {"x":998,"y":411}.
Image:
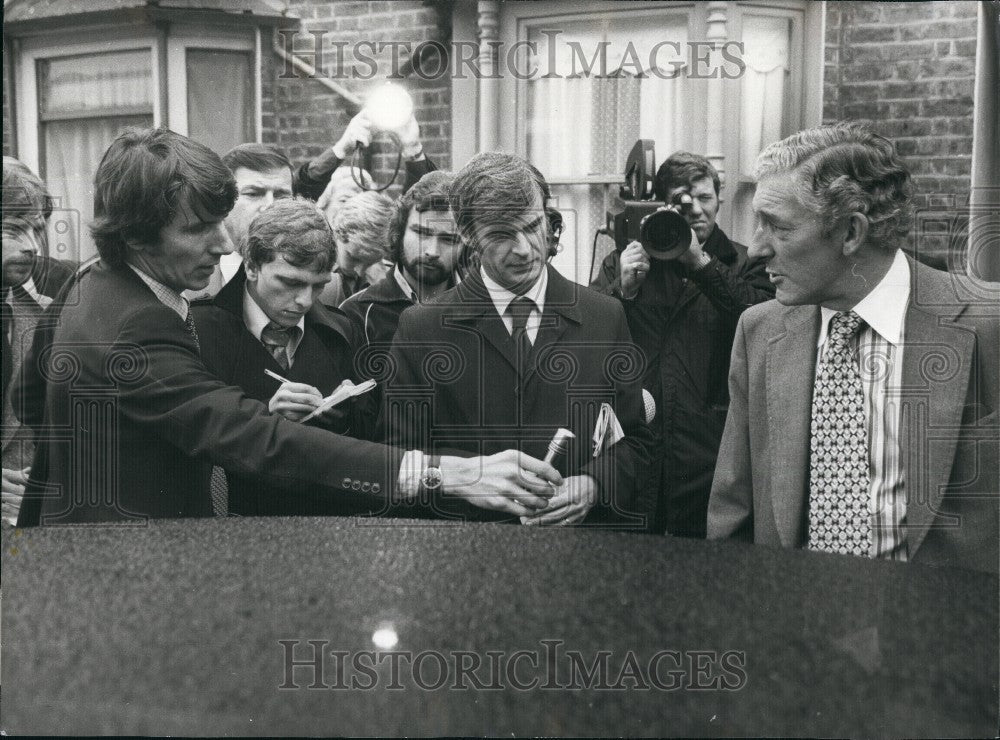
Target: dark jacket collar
{"x":386,"y":290}
{"x":720,"y":246}
{"x":230,"y":299}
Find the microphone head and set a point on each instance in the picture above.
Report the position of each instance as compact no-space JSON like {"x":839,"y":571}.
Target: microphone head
{"x":561,"y":439}
{"x":648,"y":406}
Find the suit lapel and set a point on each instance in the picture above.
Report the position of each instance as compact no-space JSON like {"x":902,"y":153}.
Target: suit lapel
{"x":933,"y":347}
{"x":791,"y":365}
{"x":475,"y":307}
{"x":560,"y":312}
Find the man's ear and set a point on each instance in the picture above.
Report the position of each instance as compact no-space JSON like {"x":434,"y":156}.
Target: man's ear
{"x":252,"y":270}
{"x":136,"y":246}
{"x":855,"y":233}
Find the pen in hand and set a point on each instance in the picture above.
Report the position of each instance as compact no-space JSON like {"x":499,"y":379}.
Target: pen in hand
{"x":276,"y":376}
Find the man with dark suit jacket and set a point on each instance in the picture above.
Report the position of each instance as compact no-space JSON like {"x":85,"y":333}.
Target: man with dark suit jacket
{"x":516,"y":351}
{"x":863,"y":418}
{"x":133,"y":421}
{"x":267,"y":318}
{"x":682,"y":313}
{"x":30,"y":282}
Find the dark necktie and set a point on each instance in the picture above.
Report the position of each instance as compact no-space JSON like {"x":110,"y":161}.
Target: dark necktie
{"x":520,"y":309}
{"x":839,"y":519}
{"x":277,"y":339}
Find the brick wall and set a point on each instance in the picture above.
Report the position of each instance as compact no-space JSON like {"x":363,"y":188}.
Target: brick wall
{"x":909,"y":69}
{"x":303,"y":117}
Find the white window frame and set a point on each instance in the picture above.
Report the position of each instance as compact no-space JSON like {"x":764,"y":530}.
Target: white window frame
{"x":183,"y":37}
{"x":515,"y":22}
{"x":515,"y":18}
{"x":168,"y":52}
{"x":36,"y":49}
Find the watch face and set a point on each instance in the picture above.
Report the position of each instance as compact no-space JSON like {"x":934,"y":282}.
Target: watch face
{"x":432,"y":478}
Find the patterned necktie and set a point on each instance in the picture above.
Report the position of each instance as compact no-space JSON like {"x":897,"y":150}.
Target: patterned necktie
{"x":189,"y":327}
{"x":839,"y":519}
{"x":520,"y":309}
{"x":218,"y":486}
{"x":276,"y":339}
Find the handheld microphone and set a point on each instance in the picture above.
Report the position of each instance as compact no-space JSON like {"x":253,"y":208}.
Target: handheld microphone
{"x":559,"y":444}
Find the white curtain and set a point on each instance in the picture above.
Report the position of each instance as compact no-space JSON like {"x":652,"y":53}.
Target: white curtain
{"x":766,"y":55}
{"x":118,"y":81}
{"x":586,"y":125}
{"x":220,"y":98}
{"x":73,"y":149}
{"x":85,"y":102}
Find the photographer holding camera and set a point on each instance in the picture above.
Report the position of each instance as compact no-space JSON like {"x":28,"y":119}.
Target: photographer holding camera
{"x":682,"y":311}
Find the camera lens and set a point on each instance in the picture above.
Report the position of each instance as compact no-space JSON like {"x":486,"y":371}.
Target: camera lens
{"x":665,"y":235}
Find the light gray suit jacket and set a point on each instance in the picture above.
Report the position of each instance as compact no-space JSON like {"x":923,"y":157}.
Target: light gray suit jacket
{"x":949,"y":425}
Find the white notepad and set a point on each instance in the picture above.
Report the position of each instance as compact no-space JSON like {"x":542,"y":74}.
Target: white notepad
{"x":345,"y":390}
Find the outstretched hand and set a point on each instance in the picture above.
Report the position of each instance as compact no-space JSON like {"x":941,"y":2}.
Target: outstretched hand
{"x":509,"y":481}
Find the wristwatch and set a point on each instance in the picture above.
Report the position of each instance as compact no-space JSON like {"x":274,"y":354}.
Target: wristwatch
{"x":431,"y":478}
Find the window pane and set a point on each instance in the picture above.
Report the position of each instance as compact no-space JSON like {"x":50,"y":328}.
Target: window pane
{"x":119,"y":81}
{"x":220,"y":98}
{"x":583,"y":208}
{"x":587,"y":123}
{"x":73,"y":149}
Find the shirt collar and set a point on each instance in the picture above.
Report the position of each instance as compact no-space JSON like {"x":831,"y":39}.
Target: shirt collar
{"x":502,"y":298}
{"x":256,"y":321}
{"x":404,"y":286}
{"x":29,"y":287}
{"x":167,"y":296}
{"x":884,"y":308}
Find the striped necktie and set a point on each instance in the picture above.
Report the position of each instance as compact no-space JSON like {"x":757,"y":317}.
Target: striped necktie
{"x":277,"y":338}
{"x":218,"y":485}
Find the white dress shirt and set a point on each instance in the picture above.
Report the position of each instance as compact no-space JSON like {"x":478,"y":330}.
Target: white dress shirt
{"x":29,"y":287}
{"x":502,"y":298}
{"x":167,"y":296}
{"x":880,"y":346}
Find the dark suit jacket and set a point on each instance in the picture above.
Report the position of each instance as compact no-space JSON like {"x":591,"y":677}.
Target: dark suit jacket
{"x":684,"y":320}
{"x":323,"y":359}
{"x":456,"y":387}
{"x":949,"y":424}
{"x":134,"y":421}
{"x":376,"y":310}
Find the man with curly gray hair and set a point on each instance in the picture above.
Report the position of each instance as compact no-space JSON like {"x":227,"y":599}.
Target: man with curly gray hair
{"x":863,"y":417}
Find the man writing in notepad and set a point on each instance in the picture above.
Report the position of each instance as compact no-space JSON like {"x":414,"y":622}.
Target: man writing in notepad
{"x":517,"y":351}
{"x":157,"y":419}
{"x":266,"y":324}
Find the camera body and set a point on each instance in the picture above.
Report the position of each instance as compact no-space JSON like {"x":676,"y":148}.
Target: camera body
{"x":636,"y":215}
